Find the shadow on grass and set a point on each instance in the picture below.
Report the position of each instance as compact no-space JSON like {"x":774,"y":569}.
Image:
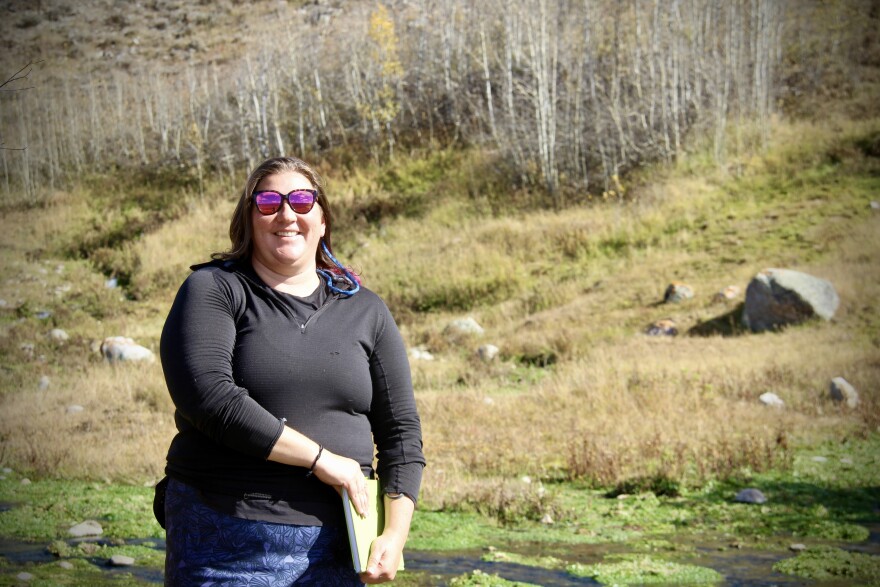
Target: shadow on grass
{"x":729,"y":324}
{"x":797,"y":508}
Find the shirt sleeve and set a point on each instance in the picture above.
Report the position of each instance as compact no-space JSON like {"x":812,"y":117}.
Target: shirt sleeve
{"x":196,"y":349}
{"x":393,"y":415}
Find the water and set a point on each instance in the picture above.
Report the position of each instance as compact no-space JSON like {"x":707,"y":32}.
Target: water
{"x":741,"y":567}
{"x":446,"y":565}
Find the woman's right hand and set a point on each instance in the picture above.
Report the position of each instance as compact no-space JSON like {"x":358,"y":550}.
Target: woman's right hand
{"x":343,"y":473}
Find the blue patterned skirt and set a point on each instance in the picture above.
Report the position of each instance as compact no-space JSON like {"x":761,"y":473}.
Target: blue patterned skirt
{"x":205,"y":548}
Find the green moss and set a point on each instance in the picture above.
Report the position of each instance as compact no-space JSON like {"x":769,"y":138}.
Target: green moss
{"x":543,"y":562}
{"x":832,"y":563}
{"x":478,"y":578}
{"x":662,"y":545}
{"x":52,"y":574}
{"x":450,"y":531}
{"x":45,"y":509}
{"x":645,"y":570}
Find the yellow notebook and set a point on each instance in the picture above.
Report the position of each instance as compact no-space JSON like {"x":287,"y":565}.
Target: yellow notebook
{"x":362,"y":531}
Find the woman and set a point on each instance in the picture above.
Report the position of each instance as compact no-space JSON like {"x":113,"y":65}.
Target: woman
{"x":283,"y":372}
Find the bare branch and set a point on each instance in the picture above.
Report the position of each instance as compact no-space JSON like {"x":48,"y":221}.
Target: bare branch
{"x":22,"y":73}
{"x":4,"y":148}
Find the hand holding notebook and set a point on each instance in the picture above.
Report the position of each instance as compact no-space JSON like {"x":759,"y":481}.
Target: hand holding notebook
{"x":362,"y":531}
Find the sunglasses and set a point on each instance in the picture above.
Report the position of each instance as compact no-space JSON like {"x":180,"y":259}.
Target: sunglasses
{"x":300,"y":201}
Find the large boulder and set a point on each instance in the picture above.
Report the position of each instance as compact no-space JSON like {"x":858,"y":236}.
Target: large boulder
{"x":777,"y":297}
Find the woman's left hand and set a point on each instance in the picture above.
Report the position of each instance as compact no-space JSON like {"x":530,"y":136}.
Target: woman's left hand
{"x":385,"y":554}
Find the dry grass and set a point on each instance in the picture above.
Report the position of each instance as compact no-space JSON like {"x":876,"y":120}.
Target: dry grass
{"x":684,"y":408}
{"x":122,"y":433}
{"x":620,"y":404}
{"x":166,"y":254}
{"x":578,"y":392}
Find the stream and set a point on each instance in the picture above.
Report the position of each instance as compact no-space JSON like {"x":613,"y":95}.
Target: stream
{"x":739,"y":566}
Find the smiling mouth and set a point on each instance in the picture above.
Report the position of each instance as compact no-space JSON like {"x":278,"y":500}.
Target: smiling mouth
{"x":286,"y":233}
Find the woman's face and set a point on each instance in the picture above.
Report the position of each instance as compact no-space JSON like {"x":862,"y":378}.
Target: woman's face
{"x":286,"y":242}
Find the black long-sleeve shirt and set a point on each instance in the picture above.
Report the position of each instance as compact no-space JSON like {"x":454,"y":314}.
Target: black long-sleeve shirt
{"x":240,"y":358}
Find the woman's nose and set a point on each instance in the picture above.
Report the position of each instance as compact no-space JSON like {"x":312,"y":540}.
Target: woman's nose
{"x":286,"y":211}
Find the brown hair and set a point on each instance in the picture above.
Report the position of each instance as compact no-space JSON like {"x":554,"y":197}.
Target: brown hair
{"x":241,"y":231}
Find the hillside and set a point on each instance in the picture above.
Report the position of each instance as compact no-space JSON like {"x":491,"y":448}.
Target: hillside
{"x":448,"y":218}
{"x":566,"y":292}
{"x":566,"y":296}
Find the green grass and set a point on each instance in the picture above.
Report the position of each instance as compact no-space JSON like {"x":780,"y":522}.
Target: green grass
{"x":827,"y":563}
{"x":645,"y":570}
{"x":84,"y":572}
{"x":44,"y":510}
{"x":479,"y":579}
{"x":814,"y":501}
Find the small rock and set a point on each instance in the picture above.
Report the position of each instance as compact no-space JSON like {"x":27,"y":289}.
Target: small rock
{"x":58,"y":335}
{"x":43,"y":314}
{"x":750,"y":495}
{"x":875,"y":205}
{"x":547,"y":519}
{"x":7,"y":470}
{"x":119,"y":349}
{"x":3,"y":303}
{"x":820,"y":459}
{"x":87,"y":528}
{"x":771,"y":399}
{"x":664,"y":327}
{"x":420,"y":354}
{"x":27,"y":348}
{"x":111,"y":283}
{"x":846,"y":460}
{"x":24,"y":577}
{"x":487,"y":352}
{"x":488,"y":400}
{"x":463,"y":326}
{"x":120,"y":560}
{"x":25,"y":481}
{"x":65,"y":565}
{"x":797,"y":547}
{"x":677,"y":292}
{"x":526,"y":479}
{"x":44,"y":383}
{"x":728,"y":294}
{"x":74,"y":409}
{"x":841,"y":391}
